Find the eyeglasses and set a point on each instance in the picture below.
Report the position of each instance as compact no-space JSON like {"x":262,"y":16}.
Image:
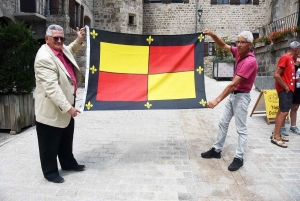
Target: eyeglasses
{"x":241,"y":42}
{"x":55,"y":38}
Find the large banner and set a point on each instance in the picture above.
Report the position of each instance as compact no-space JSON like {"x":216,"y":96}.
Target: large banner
{"x":143,"y":72}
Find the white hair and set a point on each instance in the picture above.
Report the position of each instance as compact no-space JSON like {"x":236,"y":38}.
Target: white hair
{"x":246,"y":34}
{"x":53,"y":27}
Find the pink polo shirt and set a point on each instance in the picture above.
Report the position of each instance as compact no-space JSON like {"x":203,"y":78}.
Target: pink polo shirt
{"x":246,"y":68}
{"x":68,"y":65}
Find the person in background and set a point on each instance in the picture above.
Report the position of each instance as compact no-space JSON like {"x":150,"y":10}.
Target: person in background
{"x":295,"y":103}
{"x":285,"y":85}
{"x":57,"y":78}
{"x":296,"y":100}
{"x":239,"y":97}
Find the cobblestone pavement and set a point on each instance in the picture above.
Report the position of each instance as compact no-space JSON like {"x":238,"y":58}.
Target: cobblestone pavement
{"x":155,"y":155}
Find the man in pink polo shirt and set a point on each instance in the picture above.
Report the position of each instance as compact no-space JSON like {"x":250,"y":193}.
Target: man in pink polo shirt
{"x":57,"y":77}
{"x":237,"y":104}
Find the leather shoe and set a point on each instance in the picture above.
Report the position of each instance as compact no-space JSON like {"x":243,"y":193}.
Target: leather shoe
{"x":77,"y":168}
{"x":58,"y":179}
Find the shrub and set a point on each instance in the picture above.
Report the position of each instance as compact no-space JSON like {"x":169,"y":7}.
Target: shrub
{"x":17,"y":53}
{"x":222,"y":55}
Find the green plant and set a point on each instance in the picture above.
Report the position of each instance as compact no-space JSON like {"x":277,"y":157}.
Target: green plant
{"x":276,"y":35}
{"x":17,"y":53}
{"x":222,"y":55}
{"x":263,"y":39}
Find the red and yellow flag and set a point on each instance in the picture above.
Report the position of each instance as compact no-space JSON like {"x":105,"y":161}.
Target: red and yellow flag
{"x":137,"y":72}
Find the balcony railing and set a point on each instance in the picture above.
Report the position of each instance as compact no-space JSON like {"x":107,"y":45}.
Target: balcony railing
{"x":289,"y":21}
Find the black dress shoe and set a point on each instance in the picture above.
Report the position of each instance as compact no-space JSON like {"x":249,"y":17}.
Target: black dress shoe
{"x":58,"y":179}
{"x":77,"y":168}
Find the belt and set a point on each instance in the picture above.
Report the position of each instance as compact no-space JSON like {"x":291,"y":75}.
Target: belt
{"x":238,"y":92}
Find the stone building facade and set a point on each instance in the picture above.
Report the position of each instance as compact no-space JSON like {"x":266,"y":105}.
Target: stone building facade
{"x":165,"y":17}
{"x":281,"y":15}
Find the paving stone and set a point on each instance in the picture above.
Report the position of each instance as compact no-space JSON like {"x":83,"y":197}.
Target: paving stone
{"x":156,"y":155}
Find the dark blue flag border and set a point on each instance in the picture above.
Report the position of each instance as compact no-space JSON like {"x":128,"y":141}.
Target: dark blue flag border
{"x":93,"y":59}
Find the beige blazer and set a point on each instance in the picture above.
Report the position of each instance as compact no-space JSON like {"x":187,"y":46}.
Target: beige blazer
{"x":54,"y":87}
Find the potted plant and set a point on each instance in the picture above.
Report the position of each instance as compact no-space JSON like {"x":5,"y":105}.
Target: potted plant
{"x":17,"y":80}
{"x":281,"y":35}
{"x":223,"y":62}
{"x":262,"y":41}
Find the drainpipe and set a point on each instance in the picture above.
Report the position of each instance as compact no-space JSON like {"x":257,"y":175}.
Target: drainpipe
{"x":196,"y":8}
{"x":298,"y":22}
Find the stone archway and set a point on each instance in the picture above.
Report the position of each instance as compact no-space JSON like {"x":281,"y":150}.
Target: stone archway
{"x":5,"y":20}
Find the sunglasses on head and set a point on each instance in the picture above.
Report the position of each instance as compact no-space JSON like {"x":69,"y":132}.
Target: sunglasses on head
{"x":55,"y":38}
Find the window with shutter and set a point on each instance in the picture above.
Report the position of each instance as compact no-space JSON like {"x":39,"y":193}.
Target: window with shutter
{"x":235,"y":2}
{"x":60,"y":7}
{"x":209,"y":49}
{"x":54,"y":4}
{"x":28,"y":6}
{"x":214,"y":2}
{"x":206,"y":49}
{"x":72,"y":14}
{"x":81,"y":17}
{"x":246,"y":1}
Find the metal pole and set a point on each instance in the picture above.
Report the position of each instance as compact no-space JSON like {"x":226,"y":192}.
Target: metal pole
{"x":298,"y":22}
{"x":196,"y":13}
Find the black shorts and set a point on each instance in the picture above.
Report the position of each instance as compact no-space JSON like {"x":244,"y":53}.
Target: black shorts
{"x":296,"y":96}
{"x":285,"y":100}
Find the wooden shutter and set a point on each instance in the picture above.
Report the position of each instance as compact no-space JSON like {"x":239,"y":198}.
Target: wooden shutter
{"x":28,"y":6}
{"x":72,"y":13}
{"x":235,"y":2}
{"x":213,"y":49}
{"x":206,"y":50}
{"x":214,"y":2}
{"x":81,"y":17}
{"x":54,"y":7}
{"x":255,"y":2}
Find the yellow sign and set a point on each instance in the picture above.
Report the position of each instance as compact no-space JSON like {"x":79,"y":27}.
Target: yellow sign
{"x":267,"y":103}
{"x":271,"y":103}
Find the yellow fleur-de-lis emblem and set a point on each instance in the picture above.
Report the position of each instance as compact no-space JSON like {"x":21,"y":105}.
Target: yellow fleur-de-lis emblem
{"x":200,"y":69}
{"x":93,"y":69}
{"x":148,"y":105}
{"x":149,"y":39}
{"x":94,"y":34}
{"x":89,"y":105}
{"x":203,"y":102}
{"x":201,"y":37}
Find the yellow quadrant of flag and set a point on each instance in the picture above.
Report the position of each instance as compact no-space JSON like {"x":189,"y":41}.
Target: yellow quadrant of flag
{"x":179,"y":85}
{"x":124,"y":58}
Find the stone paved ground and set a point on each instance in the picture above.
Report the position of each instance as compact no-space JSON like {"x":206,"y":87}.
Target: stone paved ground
{"x":155,"y":155}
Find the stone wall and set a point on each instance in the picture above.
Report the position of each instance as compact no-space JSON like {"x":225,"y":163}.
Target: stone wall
{"x":225,"y":20}
{"x":113,"y":15}
{"x":267,"y":57}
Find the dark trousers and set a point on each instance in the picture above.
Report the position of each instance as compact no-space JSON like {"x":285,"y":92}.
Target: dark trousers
{"x":55,"y":142}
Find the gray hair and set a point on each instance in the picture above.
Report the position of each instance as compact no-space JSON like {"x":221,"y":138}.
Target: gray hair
{"x":294,"y":45}
{"x":246,"y":34}
{"x":53,"y":27}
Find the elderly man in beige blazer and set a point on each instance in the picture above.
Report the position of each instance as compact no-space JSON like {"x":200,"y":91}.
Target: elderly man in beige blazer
{"x":57,"y":78}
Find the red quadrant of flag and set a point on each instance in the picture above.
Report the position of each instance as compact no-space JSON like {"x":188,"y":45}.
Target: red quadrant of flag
{"x":169,"y":59}
{"x":121,"y":87}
